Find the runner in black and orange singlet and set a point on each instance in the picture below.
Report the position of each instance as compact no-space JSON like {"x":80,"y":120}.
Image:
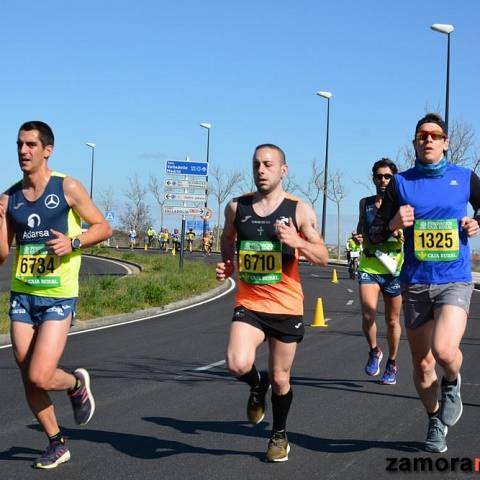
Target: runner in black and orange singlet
{"x":269,"y":229}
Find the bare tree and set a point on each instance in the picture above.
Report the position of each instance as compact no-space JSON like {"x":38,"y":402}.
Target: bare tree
{"x":314,"y":186}
{"x":137,"y":212}
{"x":222,"y":186}
{"x":107,"y":198}
{"x":247,"y":183}
{"x":368,"y":184}
{"x":461,"y":144}
{"x":289,"y":183}
{"x":336,"y":193}
{"x":156,"y":190}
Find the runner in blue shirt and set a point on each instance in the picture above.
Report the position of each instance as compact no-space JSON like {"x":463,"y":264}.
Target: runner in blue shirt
{"x":429,"y":202}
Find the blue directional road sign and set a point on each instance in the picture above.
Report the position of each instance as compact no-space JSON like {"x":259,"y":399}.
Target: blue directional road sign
{"x":196,"y":225}
{"x":178,"y":167}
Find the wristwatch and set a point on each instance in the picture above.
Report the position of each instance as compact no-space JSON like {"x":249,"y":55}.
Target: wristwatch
{"x":76,"y":243}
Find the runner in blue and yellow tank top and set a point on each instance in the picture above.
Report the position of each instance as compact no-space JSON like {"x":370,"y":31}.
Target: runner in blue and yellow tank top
{"x":42,"y":212}
{"x":378,"y":273}
{"x":429,"y":202}
{"x":269,"y":229}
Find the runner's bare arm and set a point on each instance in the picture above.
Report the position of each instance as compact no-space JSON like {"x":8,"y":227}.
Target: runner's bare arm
{"x":6,"y":233}
{"x":310,"y":242}
{"x":225,"y":268}
{"x":78,"y":199}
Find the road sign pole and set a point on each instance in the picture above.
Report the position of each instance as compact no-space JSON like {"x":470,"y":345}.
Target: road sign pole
{"x":182,"y":243}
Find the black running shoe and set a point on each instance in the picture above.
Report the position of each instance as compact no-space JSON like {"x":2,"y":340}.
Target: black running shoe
{"x":55,"y":454}
{"x":82,"y":400}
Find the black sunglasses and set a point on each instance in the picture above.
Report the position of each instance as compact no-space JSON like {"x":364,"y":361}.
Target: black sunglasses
{"x":386,"y":176}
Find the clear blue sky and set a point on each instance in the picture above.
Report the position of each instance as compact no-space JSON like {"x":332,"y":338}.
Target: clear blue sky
{"x":137,"y":78}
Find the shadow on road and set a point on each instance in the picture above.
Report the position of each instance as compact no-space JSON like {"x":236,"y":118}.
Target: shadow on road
{"x":318,"y":444}
{"x":20,"y":453}
{"x":151,"y":447}
{"x":134,"y":445}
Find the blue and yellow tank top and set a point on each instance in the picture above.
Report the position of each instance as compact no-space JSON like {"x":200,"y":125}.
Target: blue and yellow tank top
{"x":393,"y":247}
{"x":36,"y":270}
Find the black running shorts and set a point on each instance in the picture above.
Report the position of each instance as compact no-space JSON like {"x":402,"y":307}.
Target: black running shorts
{"x":286,"y":328}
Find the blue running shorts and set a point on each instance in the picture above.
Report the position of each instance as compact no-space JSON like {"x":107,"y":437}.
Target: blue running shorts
{"x":35,"y":310}
{"x":389,"y":285}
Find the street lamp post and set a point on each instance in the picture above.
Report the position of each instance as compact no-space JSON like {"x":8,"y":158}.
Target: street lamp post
{"x":208,"y":126}
{"x":328,"y":96}
{"x":92,"y":146}
{"x":447,"y":30}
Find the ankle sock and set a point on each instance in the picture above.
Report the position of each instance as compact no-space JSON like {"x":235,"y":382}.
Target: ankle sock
{"x":58,"y":437}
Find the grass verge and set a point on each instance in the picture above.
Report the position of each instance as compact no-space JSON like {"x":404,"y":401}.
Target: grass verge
{"x":160,"y":283}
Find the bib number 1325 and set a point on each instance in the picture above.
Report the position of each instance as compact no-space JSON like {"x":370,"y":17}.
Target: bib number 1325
{"x":436,"y":240}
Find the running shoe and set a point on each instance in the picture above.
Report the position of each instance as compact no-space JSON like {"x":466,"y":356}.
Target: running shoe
{"x":372,"y":367}
{"x":390,"y":375}
{"x":436,"y":434}
{"x":278,"y":447}
{"x":82,"y":400}
{"x":256,"y":401}
{"x":55,"y":454}
{"x":451,"y":408}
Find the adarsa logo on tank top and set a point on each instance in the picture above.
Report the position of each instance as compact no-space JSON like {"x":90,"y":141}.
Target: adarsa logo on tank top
{"x":35,"y":234}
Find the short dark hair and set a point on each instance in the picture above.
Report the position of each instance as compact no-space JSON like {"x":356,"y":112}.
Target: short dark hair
{"x":45,"y":133}
{"x":274,"y":147}
{"x":432,"y":118}
{"x":384,"y":162}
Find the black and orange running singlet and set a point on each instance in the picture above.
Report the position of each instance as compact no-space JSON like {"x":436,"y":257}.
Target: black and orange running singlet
{"x":268,"y":270}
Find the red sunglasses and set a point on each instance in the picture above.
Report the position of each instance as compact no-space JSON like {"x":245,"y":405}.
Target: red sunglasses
{"x":435,"y":136}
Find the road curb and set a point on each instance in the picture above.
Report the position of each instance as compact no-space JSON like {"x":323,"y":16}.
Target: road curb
{"x":136,"y":266}
{"x":81,"y":325}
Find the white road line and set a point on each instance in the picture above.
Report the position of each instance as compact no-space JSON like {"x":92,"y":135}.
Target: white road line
{"x":181,"y":309}
{"x":349,"y":302}
{"x":208,"y":367}
{"x":349,"y":290}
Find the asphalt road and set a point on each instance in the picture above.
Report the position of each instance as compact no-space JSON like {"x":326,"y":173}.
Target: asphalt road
{"x":166,"y":407}
{"x":90,"y":266}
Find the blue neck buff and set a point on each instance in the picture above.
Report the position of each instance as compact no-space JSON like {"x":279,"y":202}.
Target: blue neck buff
{"x":431,"y":169}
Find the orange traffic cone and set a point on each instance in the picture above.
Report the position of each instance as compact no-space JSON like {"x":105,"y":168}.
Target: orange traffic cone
{"x":319,"y":319}
{"x":334,"y":276}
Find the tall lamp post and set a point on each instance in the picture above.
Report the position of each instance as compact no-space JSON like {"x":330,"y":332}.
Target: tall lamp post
{"x":447,"y":30}
{"x":92,"y":146}
{"x":208,"y":126}
{"x":328,"y":96}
